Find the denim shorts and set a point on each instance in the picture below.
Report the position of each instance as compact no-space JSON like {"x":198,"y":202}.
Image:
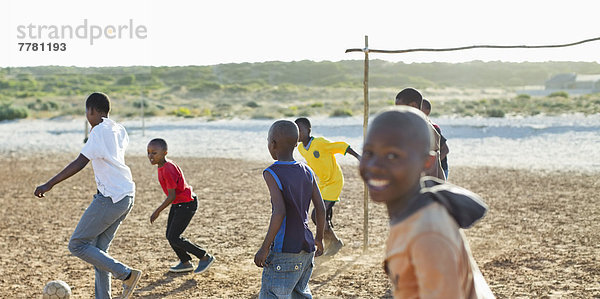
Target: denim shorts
{"x":286,"y":275}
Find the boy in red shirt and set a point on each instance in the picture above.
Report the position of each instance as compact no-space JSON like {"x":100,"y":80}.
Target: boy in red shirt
{"x":183,"y":204}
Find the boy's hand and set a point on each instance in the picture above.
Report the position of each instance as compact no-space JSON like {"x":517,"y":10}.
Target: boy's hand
{"x":41,"y":189}
{"x":154,"y":216}
{"x":260,"y":257}
{"x":319,"y":244}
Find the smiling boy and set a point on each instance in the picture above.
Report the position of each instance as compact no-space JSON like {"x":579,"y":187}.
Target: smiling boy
{"x":427,"y":255}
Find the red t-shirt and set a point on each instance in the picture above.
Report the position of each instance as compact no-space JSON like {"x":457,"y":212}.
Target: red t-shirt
{"x":170,"y":176}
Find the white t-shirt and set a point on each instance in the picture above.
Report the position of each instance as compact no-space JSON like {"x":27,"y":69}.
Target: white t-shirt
{"x":106,"y":149}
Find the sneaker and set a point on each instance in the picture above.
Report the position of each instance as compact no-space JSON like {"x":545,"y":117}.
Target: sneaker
{"x":130,"y":283}
{"x":181,"y":267}
{"x":203,"y":265}
{"x":333,"y":248}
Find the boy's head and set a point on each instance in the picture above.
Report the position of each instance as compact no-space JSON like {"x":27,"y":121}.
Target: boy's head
{"x":304,"y":128}
{"x":395,"y":153}
{"x":283,"y":137}
{"x":97,"y":106}
{"x":409,"y":97}
{"x":426,"y":107}
{"x":157,"y":151}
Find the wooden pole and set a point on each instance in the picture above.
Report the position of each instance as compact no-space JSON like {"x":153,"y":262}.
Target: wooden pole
{"x":143,"y":119}
{"x":365,"y":124}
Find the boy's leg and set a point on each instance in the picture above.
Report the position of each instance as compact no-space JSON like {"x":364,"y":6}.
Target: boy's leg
{"x":101,"y":216}
{"x":181,"y":255}
{"x":332,"y":243}
{"x":302,"y":290}
{"x":180,"y":216}
{"x":282,"y":274}
{"x":103,"y":283}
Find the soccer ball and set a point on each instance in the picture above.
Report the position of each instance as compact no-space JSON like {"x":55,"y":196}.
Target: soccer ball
{"x":57,"y":289}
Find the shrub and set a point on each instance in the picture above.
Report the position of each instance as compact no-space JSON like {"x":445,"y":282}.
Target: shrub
{"x":495,"y":113}
{"x":50,"y":105}
{"x":262,"y":115}
{"x":181,"y":111}
{"x":205,"y":87}
{"x":252,"y":104}
{"x":316,"y":105}
{"x":236,"y":88}
{"x":523,"y":97}
{"x":126,"y":80}
{"x":341,"y":112}
{"x":562,"y":94}
{"x":9,"y":112}
{"x":138,"y":104}
{"x":206,"y":112}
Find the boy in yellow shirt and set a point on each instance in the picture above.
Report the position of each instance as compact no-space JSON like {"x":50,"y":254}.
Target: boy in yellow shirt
{"x":319,"y":154}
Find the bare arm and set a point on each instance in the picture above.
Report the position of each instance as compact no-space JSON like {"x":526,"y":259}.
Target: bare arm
{"x":353,"y":153}
{"x":317,"y":201}
{"x":170,"y":198}
{"x":72,"y":168}
{"x":277,"y":216}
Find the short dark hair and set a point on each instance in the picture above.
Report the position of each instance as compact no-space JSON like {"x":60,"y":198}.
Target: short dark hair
{"x":285,"y":133}
{"x":426,"y":104}
{"x":304,"y":121}
{"x":160,"y":142}
{"x":409,"y":95}
{"x":98,"y":101}
{"x":409,"y":121}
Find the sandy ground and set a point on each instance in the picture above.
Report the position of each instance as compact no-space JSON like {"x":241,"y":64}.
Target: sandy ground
{"x":539,"y":239}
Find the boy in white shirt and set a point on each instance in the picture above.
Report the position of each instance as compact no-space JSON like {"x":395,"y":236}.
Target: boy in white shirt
{"x":113,"y":201}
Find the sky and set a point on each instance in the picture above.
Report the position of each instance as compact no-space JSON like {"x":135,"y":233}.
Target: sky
{"x":170,"y":33}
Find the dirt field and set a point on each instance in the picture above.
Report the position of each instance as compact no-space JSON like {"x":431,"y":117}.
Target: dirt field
{"x":539,"y":239}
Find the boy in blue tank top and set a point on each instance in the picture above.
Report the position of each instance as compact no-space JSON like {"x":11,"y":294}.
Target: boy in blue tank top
{"x":288,"y":251}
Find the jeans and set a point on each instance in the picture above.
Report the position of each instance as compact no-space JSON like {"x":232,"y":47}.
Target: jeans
{"x":286,"y":275}
{"x":92,"y":237}
{"x":180,"y":216}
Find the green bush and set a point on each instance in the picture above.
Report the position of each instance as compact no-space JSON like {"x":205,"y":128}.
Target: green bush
{"x":138,"y":104}
{"x":316,"y":105}
{"x":523,"y":97}
{"x":562,"y":94}
{"x":126,"y":80}
{"x":9,"y":112}
{"x":236,"y":88}
{"x":183,"y":112}
{"x":252,"y":104}
{"x":205,"y":87}
{"x":49,"y":105}
{"x":341,"y":112}
{"x":40,"y":105}
{"x":495,"y":113}
{"x":262,"y":115}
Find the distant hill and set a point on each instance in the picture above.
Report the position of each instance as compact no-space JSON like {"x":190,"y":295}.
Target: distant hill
{"x":475,"y":74}
{"x":226,"y":90}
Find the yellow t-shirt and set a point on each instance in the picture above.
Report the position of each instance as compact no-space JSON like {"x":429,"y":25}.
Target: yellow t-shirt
{"x":319,"y":154}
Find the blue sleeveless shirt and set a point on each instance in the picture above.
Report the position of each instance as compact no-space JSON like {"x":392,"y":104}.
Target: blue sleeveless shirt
{"x":295,"y":180}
